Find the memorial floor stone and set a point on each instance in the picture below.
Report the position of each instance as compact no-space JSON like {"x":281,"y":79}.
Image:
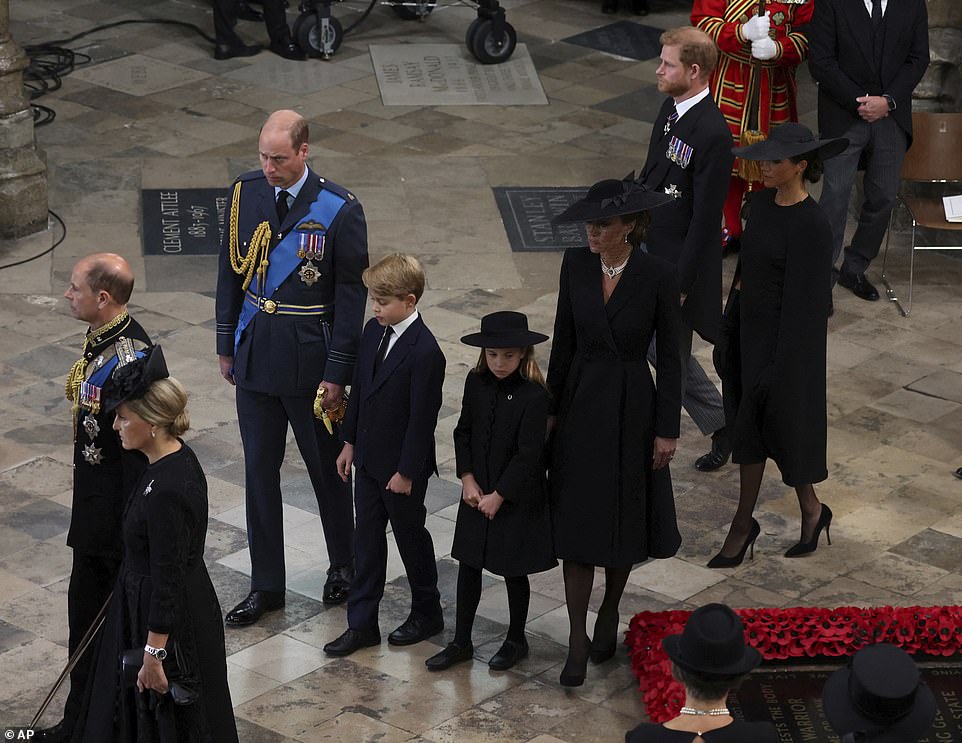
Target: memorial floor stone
{"x":184,"y":221}
{"x":139,"y":75}
{"x":446,"y":75}
{"x":623,"y":39}
{"x":527,"y":214}
{"x":792,"y":700}
{"x":276,"y":73}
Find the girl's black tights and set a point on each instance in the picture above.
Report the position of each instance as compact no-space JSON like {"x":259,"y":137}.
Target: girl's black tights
{"x":469,"y":596}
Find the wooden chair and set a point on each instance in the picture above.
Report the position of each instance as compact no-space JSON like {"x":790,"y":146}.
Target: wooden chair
{"x":934,"y":157}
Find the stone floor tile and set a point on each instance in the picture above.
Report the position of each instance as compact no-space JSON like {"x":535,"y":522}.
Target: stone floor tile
{"x":280,"y":658}
{"x":673,"y":577}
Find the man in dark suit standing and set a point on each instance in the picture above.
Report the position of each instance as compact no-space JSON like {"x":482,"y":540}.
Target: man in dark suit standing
{"x":229,"y":44}
{"x":103,"y":473}
{"x":290,"y":306}
{"x":389,"y":439}
{"x":867,"y":56}
{"x":689,"y":157}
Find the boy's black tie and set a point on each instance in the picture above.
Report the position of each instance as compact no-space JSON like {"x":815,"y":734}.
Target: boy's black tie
{"x":382,"y":347}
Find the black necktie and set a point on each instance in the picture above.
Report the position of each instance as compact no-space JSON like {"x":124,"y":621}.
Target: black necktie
{"x":876,"y":13}
{"x":382,"y":347}
{"x":282,"y":207}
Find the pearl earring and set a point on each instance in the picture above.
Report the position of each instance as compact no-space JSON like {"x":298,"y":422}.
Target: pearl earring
{"x":153,"y":433}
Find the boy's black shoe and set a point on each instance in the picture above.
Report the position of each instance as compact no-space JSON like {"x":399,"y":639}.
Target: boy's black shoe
{"x":351,"y":641}
{"x":415,"y":629}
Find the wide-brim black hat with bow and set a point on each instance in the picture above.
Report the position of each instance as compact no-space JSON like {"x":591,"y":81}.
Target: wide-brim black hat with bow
{"x":712,"y":643}
{"x":132,"y":380}
{"x":791,"y":140}
{"x":504,"y":330}
{"x":613,"y":198}
{"x":879,"y":693}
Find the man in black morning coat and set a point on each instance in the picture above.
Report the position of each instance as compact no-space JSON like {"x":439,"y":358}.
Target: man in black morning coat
{"x":290,"y":305}
{"x":103,"y":473}
{"x":689,"y":157}
{"x":867,"y":56}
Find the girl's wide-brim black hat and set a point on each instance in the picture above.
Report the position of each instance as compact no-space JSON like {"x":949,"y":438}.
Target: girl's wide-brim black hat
{"x":791,"y":140}
{"x":613,"y":198}
{"x":131,"y":381}
{"x":879,"y":693}
{"x":712,"y":644}
{"x":504,"y":330}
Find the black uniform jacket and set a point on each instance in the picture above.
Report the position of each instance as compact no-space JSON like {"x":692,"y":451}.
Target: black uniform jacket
{"x":841,"y":57}
{"x":289,"y":355}
{"x":100,"y":490}
{"x":687,"y":232}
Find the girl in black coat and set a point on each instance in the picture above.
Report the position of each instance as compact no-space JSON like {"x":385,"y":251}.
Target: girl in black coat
{"x":503,"y":522}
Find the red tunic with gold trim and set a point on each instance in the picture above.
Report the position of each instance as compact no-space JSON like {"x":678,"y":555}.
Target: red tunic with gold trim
{"x":731,"y":79}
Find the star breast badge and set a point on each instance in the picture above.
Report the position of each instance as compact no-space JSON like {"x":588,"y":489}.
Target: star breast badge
{"x":92,"y":454}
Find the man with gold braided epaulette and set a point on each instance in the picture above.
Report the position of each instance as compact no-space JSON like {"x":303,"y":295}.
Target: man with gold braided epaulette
{"x":290,"y":309}
{"x":99,"y":289}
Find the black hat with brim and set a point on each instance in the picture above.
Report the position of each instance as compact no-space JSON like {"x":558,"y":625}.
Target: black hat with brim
{"x":132,"y":380}
{"x":712,"y":643}
{"x":879,"y":693}
{"x":791,"y":140}
{"x":504,"y":330}
{"x":613,"y":198}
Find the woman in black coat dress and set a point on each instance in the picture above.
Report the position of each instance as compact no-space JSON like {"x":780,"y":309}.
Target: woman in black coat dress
{"x":163,"y":601}
{"x":503,"y":522}
{"x":784,"y":279}
{"x":611,"y":499}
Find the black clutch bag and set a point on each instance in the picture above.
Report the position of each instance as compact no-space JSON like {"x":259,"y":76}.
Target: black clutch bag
{"x":182,"y":685}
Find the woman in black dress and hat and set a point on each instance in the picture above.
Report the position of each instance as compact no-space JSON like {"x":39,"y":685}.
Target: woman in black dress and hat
{"x":164,"y":619}
{"x":878,"y":698}
{"x":611,"y":498}
{"x":710,"y":659}
{"x":784,"y":276}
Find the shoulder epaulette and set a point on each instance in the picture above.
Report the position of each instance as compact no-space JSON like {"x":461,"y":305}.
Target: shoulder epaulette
{"x":250,"y":175}
{"x":336,"y":188}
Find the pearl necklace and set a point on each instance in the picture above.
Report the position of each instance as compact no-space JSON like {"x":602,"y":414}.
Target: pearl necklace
{"x":717,"y":712}
{"x":612,"y":271}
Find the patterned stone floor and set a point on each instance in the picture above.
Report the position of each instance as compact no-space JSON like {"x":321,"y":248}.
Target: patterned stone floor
{"x":154,"y":110}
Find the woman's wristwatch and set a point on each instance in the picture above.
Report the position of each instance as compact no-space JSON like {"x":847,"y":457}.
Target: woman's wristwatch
{"x":158,"y":653}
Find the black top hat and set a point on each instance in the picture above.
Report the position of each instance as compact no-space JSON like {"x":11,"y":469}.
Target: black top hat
{"x":712,"y":643}
{"x":790,"y":140}
{"x":612,"y":198}
{"x":504,"y":330}
{"x":132,"y":380}
{"x":879,"y":693}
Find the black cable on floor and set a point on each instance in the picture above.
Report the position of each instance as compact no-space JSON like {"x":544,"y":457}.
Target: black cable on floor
{"x":48,"y":250}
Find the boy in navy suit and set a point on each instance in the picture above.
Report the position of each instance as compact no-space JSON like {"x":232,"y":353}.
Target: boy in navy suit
{"x":388,"y":436}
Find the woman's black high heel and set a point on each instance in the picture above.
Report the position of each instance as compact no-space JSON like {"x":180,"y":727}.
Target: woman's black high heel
{"x":576,"y":678}
{"x":602,"y":648}
{"x":720,"y":561}
{"x":805,"y":548}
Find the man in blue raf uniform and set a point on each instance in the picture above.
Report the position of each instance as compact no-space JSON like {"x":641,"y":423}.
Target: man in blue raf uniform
{"x":103,"y":473}
{"x":290,"y":305}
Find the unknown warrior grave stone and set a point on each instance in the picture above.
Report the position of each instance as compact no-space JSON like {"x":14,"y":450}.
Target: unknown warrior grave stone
{"x":792,"y":700}
{"x":183,"y":221}
{"x":527,"y":213}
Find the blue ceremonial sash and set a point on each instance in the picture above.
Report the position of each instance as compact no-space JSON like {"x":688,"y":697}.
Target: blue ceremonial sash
{"x":284,"y":258}
{"x":99,"y":377}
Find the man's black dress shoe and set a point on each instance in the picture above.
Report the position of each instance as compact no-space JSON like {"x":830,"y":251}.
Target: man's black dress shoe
{"x":416,"y":629}
{"x":452,"y":654}
{"x":253,"y":608}
{"x":861,"y":287}
{"x":353,"y":640}
{"x":958,"y":473}
{"x":227,"y":51}
{"x":338,"y":584}
{"x":59,"y":733}
{"x":509,"y":654}
{"x":721,"y":450}
{"x":246,"y":13}
{"x":609,"y":7}
{"x":287,"y":50}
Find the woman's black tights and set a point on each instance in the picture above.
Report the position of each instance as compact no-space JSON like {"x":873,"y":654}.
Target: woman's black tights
{"x":469,"y":596}
{"x":579,"y":578}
